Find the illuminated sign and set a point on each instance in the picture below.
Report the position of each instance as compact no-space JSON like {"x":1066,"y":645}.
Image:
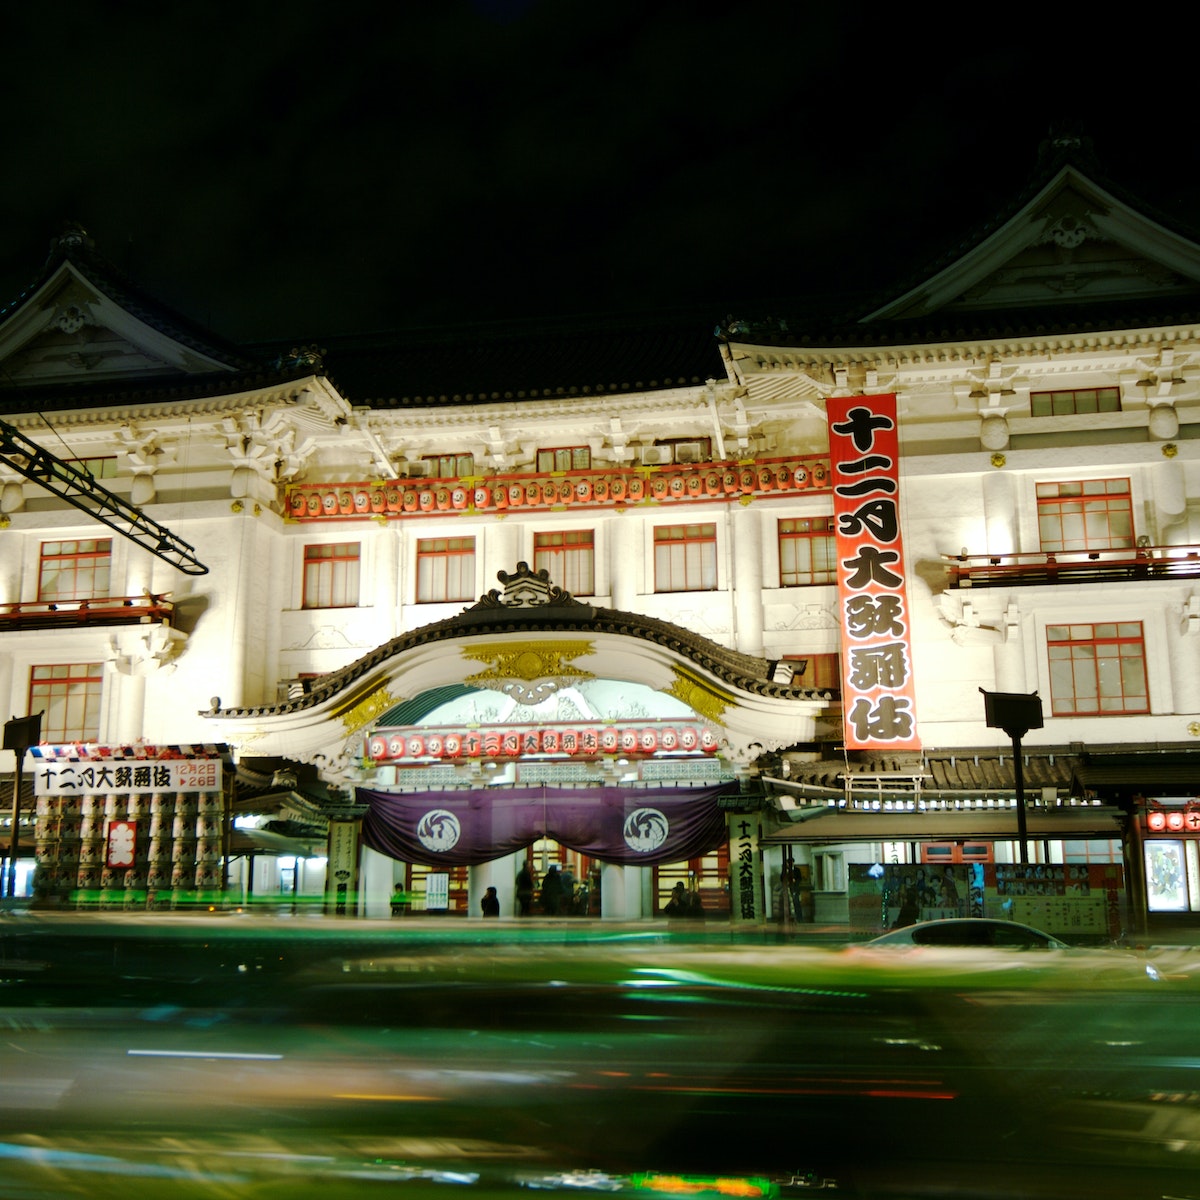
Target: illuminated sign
{"x":573,"y":741}
{"x":122,"y":844}
{"x":1176,"y":820}
{"x":54,"y":777}
{"x":878,"y":692}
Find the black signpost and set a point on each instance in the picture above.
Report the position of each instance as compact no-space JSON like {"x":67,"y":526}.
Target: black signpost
{"x":1016,"y":713}
{"x":19,"y":734}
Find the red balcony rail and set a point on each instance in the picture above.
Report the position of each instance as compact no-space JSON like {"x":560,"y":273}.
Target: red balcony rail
{"x":102,"y":610}
{"x":604,"y":487}
{"x":1072,"y":566}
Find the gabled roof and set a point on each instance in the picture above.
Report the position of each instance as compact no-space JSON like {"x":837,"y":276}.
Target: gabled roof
{"x":81,"y":325}
{"x":1072,"y":252}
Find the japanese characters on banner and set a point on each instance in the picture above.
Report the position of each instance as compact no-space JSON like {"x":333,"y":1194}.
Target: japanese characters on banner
{"x":52,"y":777}
{"x":878,"y":693}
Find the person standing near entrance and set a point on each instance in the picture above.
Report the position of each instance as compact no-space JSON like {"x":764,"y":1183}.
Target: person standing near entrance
{"x":524,"y":891}
{"x":552,"y":891}
{"x":490,"y":904}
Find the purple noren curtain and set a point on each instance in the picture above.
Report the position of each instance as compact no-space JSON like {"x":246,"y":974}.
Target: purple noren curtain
{"x":614,"y":825}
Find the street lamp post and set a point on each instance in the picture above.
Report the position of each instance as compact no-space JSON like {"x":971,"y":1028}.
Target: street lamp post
{"x":1016,"y":713}
{"x":19,"y":734}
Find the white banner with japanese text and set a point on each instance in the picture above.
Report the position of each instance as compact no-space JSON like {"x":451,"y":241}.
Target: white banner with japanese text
{"x":878,"y":692}
{"x":53,"y":777}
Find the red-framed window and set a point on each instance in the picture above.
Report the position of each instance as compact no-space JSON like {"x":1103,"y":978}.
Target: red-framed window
{"x":331,"y":573}
{"x":445,"y":569}
{"x":564,"y":458}
{"x":1068,"y":402}
{"x":68,"y":697}
{"x":450,"y":466}
{"x":569,"y":556}
{"x":807,"y":551}
{"x":1097,"y":669}
{"x":956,"y":852}
{"x":685,"y":558}
{"x":706,"y":877}
{"x":821,"y":671}
{"x":1089,"y":514}
{"x":75,"y":570}
{"x":456,"y":887}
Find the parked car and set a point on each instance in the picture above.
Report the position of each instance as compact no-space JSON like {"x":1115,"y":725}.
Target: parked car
{"x":973,"y":932}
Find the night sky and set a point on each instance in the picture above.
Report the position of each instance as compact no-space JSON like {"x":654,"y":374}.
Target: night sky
{"x":292,"y":171}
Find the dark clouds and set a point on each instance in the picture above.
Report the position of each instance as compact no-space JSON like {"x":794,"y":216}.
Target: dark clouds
{"x":287,"y":171}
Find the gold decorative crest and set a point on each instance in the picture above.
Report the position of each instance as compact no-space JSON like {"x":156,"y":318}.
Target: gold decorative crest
{"x":700,"y":696}
{"x":528,"y":662}
{"x":368,"y":710}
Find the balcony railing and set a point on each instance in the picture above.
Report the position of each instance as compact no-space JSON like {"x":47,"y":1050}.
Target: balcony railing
{"x":604,"y":487}
{"x":1082,"y":566}
{"x":103,"y":610}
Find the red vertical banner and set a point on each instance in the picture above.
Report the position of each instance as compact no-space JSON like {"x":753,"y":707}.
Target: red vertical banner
{"x":878,"y":693}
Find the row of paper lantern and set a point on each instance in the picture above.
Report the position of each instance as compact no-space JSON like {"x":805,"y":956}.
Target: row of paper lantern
{"x":599,"y":489}
{"x":513,"y":743}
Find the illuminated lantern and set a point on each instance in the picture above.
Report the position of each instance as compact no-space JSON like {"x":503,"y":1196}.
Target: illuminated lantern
{"x":362,"y":501}
{"x":458,"y":498}
{"x":533,"y":493}
{"x":783,"y":477}
{"x":658,"y":488}
{"x":1157,"y":821}
{"x":589,"y":741}
{"x":411,"y":500}
{"x":617,"y":487}
{"x":531,"y":741}
{"x":452,"y":745}
{"x":511,"y":744}
{"x":434,"y":745}
{"x":549,"y":492}
{"x":472,"y":744}
{"x":566,"y":491}
{"x":1174,"y":821}
{"x":799,"y":476}
{"x":378,"y":500}
{"x":570,"y":741}
{"x":583,"y":489}
{"x":766,"y":479}
{"x":600,"y":489}
{"x":695,"y":485}
{"x":678,"y":486}
{"x":329,"y":503}
{"x":396,"y":747}
{"x":483,"y":497}
{"x":500,"y":497}
{"x":299,"y":504}
{"x":712,"y":484}
{"x":346,"y":502}
{"x":747,"y":480}
{"x":818,"y":474}
{"x":551,"y":741}
{"x":314,"y":504}
{"x":648,"y":741}
{"x":610,"y":739}
{"x":688,"y":738}
{"x":629,"y":740}
{"x":708,"y":741}
{"x":516,"y":494}
{"x":729,"y":481}
{"x":416,"y":747}
{"x":669,"y":739}
{"x":377,"y":748}
{"x":426,"y":501}
{"x":491,"y":744}
{"x":637,"y":489}
{"x":442,"y":498}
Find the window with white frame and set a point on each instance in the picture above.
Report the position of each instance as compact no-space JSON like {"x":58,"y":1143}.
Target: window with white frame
{"x":685,"y":558}
{"x":569,"y":556}
{"x":1088,"y":514}
{"x":807,"y":551}
{"x":331,"y":574}
{"x":68,"y":697}
{"x":1097,"y":669}
{"x":74,"y":570}
{"x":445,"y":569}
{"x":564,"y":458}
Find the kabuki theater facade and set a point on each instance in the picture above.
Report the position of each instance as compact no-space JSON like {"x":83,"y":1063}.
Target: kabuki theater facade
{"x":601,"y":612}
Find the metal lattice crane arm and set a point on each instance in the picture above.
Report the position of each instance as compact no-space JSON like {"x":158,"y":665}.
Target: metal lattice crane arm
{"x":78,"y":488}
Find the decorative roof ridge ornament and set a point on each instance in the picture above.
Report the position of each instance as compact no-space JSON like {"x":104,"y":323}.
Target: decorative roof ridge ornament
{"x":301,"y":357}
{"x":526,"y":588}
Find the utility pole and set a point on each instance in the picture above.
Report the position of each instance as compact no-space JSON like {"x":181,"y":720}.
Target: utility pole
{"x":1016,"y":713}
{"x":19,"y":734}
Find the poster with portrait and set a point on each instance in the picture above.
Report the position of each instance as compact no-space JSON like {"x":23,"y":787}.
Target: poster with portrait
{"x":1166,"y":880}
